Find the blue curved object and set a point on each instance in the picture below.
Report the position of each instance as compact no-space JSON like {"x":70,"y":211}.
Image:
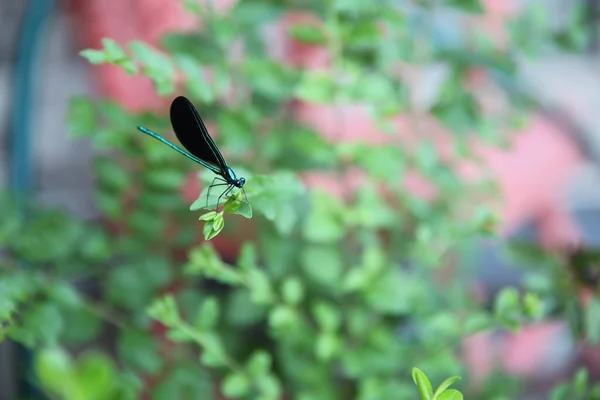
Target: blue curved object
{"x":21,"y":167}
{"x":31,"y":38}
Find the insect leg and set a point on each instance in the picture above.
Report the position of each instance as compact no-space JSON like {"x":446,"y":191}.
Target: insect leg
{"x":211,"y":186}
{"x":225,"y":192}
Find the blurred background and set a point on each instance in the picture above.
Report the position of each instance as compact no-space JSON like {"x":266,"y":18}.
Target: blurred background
{"x":549,"y":175}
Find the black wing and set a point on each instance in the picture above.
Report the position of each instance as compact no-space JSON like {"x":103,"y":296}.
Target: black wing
{"x":193,"y":135}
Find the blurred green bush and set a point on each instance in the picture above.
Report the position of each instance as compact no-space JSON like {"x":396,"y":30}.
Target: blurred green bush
{"x":322,"y":297}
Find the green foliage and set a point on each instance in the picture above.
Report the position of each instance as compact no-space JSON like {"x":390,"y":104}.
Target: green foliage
{"x":578,"y":388}
{"x":329,"y":297}
{"x":441,"y":393}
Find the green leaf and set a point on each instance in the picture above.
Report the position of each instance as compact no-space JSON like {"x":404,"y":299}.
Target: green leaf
{"x":209,"y":216}
{"x":283,"y":319}
{"x":270,"y":78}
{"x":316,"y":87}
{"x":471,"y":6}
{"x":155,"y":270}
{"x":261,"y":291}
{"x":326,"y":221}
{"x":275,"y":197}
{"x":185,"y":381}
{"x":94,"y":56}
{"x":242,"y":311}
{"x":180,"y":336}
{"x":592,"y":322}
{"x":81,"y":117}
{"x":164,"y":179}
{"x":323,"y":264}
{"x":580,"y":382}
{"x":532,"y":306}
{"x":445,"y":385}
{"x":138,"y":350}
{"x":507,"y":308}
{"x":65,"y":295}
{"x":157,"y":67}
{"x":54,"y":369}
{"x":111,"y":175}
{"x":269,"y":387}
{"x":97,"y":246}
{"x":292,"y":290}
{"x":259,"y":363}
{"x":235,"y":385}
{"x":235,"y":205}
{"x":213,"y":227}
{"x":208,"y":315}
{"x":327,"y":316}
{"x":423,"y":384}
{"x":213,"y":351}
{"x":127,"y":288}
{"x":165,"y":310}
{"x":112,"y":53}
{"x":95,"y":375}
{"x":248,"y":258}
{"x":383,"y":292}
{"x":327,"y":346}
{"x":195,"y":80}
{"x":45,"y":321}
{"x":205,"y":260}
{"x":450,"y":394}
{"x":308,"y":33}
{"x":82,"y":326}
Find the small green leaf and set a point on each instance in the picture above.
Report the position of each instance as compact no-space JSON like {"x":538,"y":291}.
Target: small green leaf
{"x":292,"y":290}
{"x":532,"y":306}
{"x":450,"y":394}
{"x":580,"y":382}
{"x":205,"y":261}
{"x":138,"y":350}
{"x":485,"y":221}
{"x":164,"y":179}
{"x":179,"y":336}
{"x":209,"y":216}
{"x":316,"y":87}
{"x":94,"y":56}
{"x":327,"y":346}
{"x":445,"y":385}
{"x":208,"y":315}
{"x":327,"y":316}
{"x":195,"y":79}
{"x":95,"y":375}
{"x":114,"y":52}
{"x":81,"y":117}
{"x":261,"y":291}
{"x":235,"y":385}
{"x":213,"y":352}
{"x":283,"y":318}
{"x":423,"y":384}
{"x":308,"y":33}
{"x":157,"y":67}
{"x":259,"y":363}
{"x":213,"y":227}
{"x":471,"y":6}
{"x":323,"y":264}
{"x":507,"y":308}
{"x":325,"y":223}
{"x":234,"y":205}
{"x":54,"y":368}
{"x":165,"y":310}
